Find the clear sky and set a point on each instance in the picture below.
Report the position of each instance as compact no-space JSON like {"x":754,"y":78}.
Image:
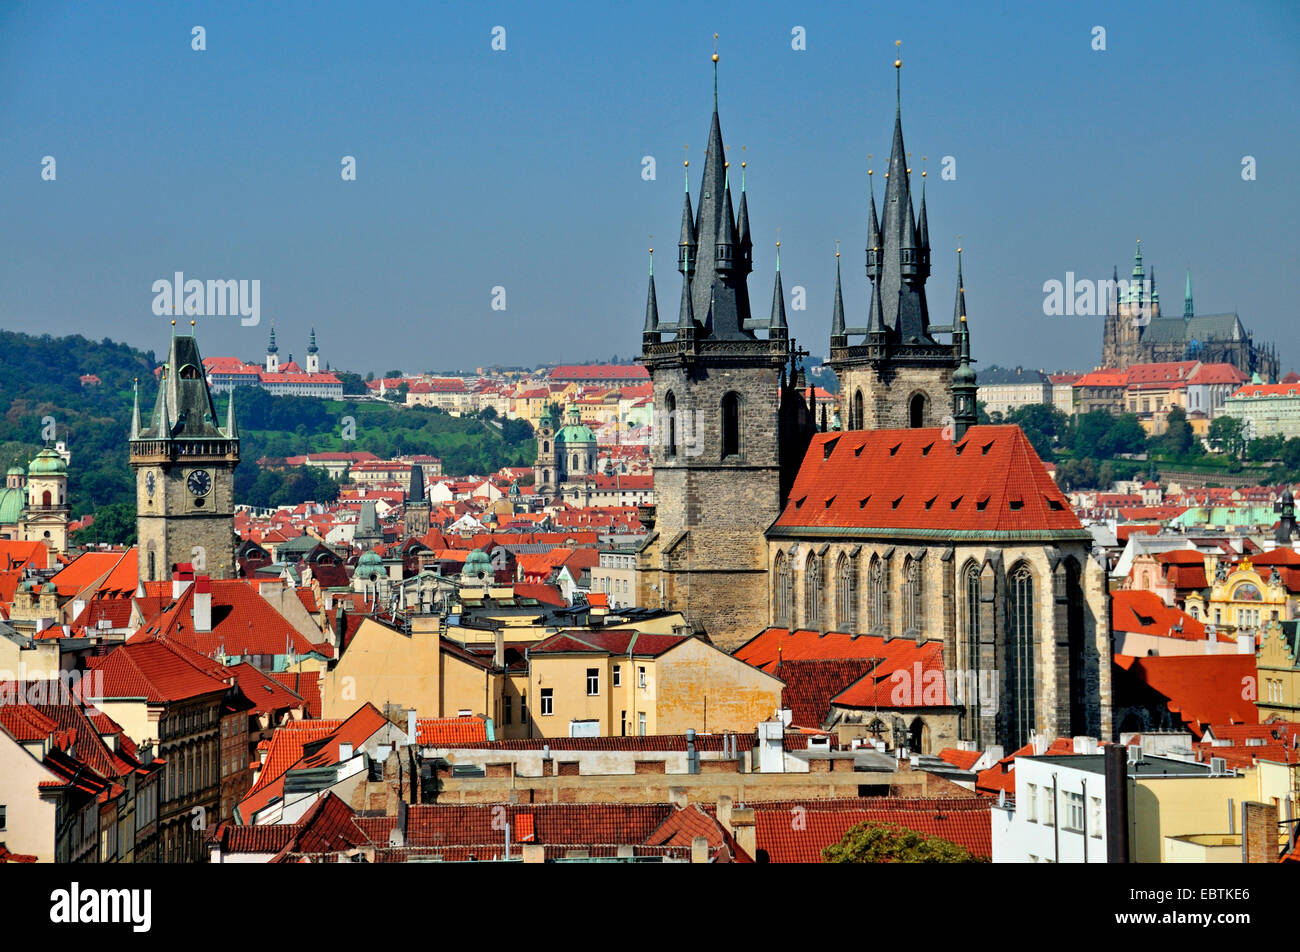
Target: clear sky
{"x":522,"y":168}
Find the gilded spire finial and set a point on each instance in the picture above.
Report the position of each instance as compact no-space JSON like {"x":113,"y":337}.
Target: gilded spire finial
{"x":898,"y":74}
{"x":715,"y":72}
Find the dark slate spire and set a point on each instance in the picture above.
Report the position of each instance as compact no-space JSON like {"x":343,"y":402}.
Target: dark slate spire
{"x":1155,"y":295}
{"x":873,"y":235}
{"x":270,"y":347}
{"x":184,"y":409}
{"x":838,"y":335}
{"x":725,"y":256}
{"x":1188,"y":309}
{"x":923,"y":237}
{"x":686,"y":314}
{"x":777,"y":325}
{"x":686,"y":244}
{"x":416,"y":491}
{"x":744,"y":240}
{"x":902,"y":286}
{"x":650,"y":333}
{"x":311,"y":346}
{"x":959,"y":306}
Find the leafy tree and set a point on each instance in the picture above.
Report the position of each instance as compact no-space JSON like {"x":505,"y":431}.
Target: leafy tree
{"x":1178,"y":438}
{"x":352,"y":383}
{"x":1266,"y":447}
{"x":981,"y":413}
{"x":1227,"y":433}
{"x":1043,"y":425}
{"x":393,"y":373}
{"x":1105,"y":475}
{"x":1072,"y":474}
{"x":889,"y":843}
{"x":114,"y":524}
{"x":488,"y":413}
{"x":1126,"y":436}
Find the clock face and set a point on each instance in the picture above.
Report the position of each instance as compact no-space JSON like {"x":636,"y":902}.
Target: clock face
{"x":149,"y":483}
{"x":199,"y":482}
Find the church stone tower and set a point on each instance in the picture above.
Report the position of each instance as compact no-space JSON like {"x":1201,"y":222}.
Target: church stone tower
{"x":313,"y":355}
{"x":415,"y":519}
{"x":272,"y":354}
{"x":46,"y":517}
{"x":184,"y":466}
{"x":729,"y":428}
{"x":898,"y":376}
{"x":545,"y":476}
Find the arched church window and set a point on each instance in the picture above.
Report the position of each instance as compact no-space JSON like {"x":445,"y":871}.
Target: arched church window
{"x":916,"y":411}
{"x":730,"y":425}
{"x":878,"y":601}
{"x":971,"y":631}
{"x":784,"y":591}
{"x":1021,"y":611}
{"x":912,"y":595}
{"x":846,"y":594}
{"x":812,"y":591}
{"x":855,"y":418}
{"x":670,"y":412}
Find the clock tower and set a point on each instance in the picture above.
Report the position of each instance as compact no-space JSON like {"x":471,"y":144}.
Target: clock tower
{"x":184,"y":472}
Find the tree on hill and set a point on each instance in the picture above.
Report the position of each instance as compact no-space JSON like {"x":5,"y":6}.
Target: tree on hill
{"x":114,"y":524}
{"x":889,"y":843}
{"x":1227,"y":434}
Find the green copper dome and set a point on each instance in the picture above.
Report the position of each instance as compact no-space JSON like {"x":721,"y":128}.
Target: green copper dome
{"x":477,"y":563}
{"x":12,"y":502}
{"x":14,"y":470}
{"x":47,"y":463}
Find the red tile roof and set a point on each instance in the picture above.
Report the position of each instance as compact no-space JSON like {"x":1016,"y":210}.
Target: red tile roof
{"x":441,"y":731}
{"x":991,"y":481}
{"x":811,"y":683}
{"x":966,"y":821}
{"x":1200,"y":689}
{"x":1140,"y":612}
{"x":965,"y":759}
{"x":614,"y":641}
{"x":156,"y":670}
{"x":305,"y":684}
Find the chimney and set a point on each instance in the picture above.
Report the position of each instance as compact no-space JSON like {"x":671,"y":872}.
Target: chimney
{"x":182,"y":575}
{"x":499,"y":651}
{"x":724,"y":813}
{"x":1259,"y":832}
{"x":534,"y":853}
{"x":345,"y":752}
{"x":744,"y":830}
{"x":412,"y":727}
{"x":700,"y":850}
{"x":1116,"y":769}
{"x":203,"y":603}
{"x":1246,"y":644}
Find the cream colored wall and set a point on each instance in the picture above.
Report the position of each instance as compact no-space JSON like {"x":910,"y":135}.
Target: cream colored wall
{"x":1182,"y":806}
{"x":703,"y":688}
{"x":29,"y":823}
{"x":383,"y":665}
{"x":566,"y":676}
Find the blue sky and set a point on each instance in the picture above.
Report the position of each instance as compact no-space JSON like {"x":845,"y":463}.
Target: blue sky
{"x":523,"y":168}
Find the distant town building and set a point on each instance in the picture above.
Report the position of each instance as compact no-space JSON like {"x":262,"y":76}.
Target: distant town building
{"x":1002,"y":390}
{"x":282,"y":380}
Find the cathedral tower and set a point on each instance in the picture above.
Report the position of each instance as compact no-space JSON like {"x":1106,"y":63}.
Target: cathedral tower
{"x":898,"y":375}
{"x":184,"y":466}
{"x":728,"y":425}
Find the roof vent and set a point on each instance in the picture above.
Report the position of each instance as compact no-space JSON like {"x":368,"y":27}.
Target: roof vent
{"x":925,"y":450}
{"x":895,"y":503}
{"x":930,"y":502}
{"x":829,"y":447}
{"x":894,"y":449}
{"x":986,"y":447}
{"x":1016,"y":504}
{"x":956,"y":502}
{"x":959,"y":447}
{"x":859,"y":449}
{"x":862,"y":503}
{"x":829,"y":500}
{"x":982,"y":504}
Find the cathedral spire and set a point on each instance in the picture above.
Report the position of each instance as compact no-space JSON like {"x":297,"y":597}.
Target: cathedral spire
{"x":744,"y":240}
{"x":686,"y":244}
{"x":873,"y":233}
{"x":232,"y":431}
{"x":965,"y":389}
{"x":650,"y":333}
{"x":135,"y":412}
{"x":1188,"y":310}
{"x":959,"y":306}
{"x":923,"y":236}
{"x":776,"y":325}
{"x":838,"y":333}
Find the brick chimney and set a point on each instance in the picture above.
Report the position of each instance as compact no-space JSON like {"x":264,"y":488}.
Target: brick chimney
{"x":182,"y":576}
{"x":744,"y":830}
{"x":203,"y":603}
{"x":1258,"y":833}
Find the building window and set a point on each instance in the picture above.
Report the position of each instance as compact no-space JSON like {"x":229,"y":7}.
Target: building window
{"x":1073,"y":812}
{"x":507,"y":703}
{"x":523,"y":707}
{"x":622,"y":724}
{"x":1095,"y":821}
{"x":730,"y":425}
{"x":911,"y":595}
{"x":640,"y":723}
{"x":3,"y":816}
{"x":593,"y":682}
{"x":548,"y":701}
{"x":618,"y":675}
{"x":1022,"y":661}
{"x":1049,"y":807}
{"x":855,"y":417}
{"x":670,"y":412}
{"x":846,"y":591}
{"x":971,"y":617}
{"x":916,"y":412}
{"x":1031,"y":802}
{"x":784,"y":591}
{"x":812,"y":591}
{"x":640,"y":676}
{"x":879,"y":596}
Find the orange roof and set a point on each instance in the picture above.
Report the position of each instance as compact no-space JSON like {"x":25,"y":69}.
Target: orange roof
{"x":1135,"y":611}
{"x":1200,"y":689}
{"x":437,"y":731}
{"x":991,"y":481}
